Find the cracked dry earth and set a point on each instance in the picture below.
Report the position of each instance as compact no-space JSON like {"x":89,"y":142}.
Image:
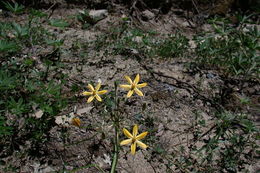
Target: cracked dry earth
{"x":174,"y":96}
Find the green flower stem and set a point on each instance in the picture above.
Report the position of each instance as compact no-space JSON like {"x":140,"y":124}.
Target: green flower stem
{"x":115,"y":118}
{"x":116,"y":148}
{"x":87,"y":166}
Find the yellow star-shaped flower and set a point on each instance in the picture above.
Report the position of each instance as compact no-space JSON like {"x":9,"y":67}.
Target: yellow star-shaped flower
{"x":134,"y":139}
{"x":133,"y":87}
{"x":94,"y":93}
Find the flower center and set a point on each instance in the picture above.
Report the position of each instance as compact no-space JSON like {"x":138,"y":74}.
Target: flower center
{"x":133,"y":86}
{"x":94,"y":92}
{"x":133,"y":140}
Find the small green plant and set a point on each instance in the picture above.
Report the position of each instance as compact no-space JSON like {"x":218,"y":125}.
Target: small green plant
{"x":128,"y":41}
{"x":173,"y":46}
{"x":15,"y":8}
{"x":232,"y":51}
{"x":17,"y":107}
{"x":59,"y":23}
{"x":20,"y":32}
{"x":15,"y":36}
{"x":227,"y":146}
{"x":4,"y":129}
{"x":84,"y":18}
{"x":8,"y":46}
{"x":28,"y":92}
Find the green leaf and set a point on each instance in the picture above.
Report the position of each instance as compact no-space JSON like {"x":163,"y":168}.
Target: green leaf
{"x":17,"y":107}
{"x":57,"y":43}
{"x":38,"y":13}
{"x":15,"y":8}
{"x":19,"y":30}
{"x":7,"y":81}
{"x":59,"y":23}
{"x":8,"y":46}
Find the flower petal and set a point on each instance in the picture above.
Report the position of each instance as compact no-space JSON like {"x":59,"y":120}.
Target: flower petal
{"x":126,"y":141}
{"x":133,"y":148}
{"x":135,"y":130}
{"x":138,"y":92}
{"x":137,"y":79}
{"x":128,"y":79}
{"x":142,"y":145}
{"x":141,"y":136}
{"x":141,"y":85}
{"x":102,"y":92}
{"x":85,"y":93}
{"x":127,"y":133}
{"x":128,"y":87}
{"x":98,"y":98}
{"x":98,"y":86}
{"x":130,"y":93}
{"x":91,"y":87}
{"x":90,"y":99}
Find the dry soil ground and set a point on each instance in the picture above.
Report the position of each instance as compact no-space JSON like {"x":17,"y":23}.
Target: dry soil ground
{"x":175,"y":98}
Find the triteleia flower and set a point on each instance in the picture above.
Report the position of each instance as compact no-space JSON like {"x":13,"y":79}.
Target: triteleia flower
{"x":94,"y":93}
{"x":133,"y":87}
{"x":134,"y":139}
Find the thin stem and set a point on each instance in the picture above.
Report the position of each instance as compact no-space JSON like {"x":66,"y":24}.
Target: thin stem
{"x":115,"y":157}
{"x":87,"y":166}
{"x":116,"y":125}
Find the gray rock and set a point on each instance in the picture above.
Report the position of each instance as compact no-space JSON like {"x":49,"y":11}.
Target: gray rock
{"x":147,"y":15}
{"x":207,"y":27}
{"x":137,"y":39}
{"x":210,"y":75}
{"x":192,"y":44}
{"x":249,"y":27}
{"x":93,"y":16}
{"x":98,"y":14}
{"x":187,"y":24}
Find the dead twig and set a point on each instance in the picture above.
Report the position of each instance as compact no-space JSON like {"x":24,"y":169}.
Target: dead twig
{"x":194,"y":4}
{"x":52,"y":8}
{"x":184,"y":85}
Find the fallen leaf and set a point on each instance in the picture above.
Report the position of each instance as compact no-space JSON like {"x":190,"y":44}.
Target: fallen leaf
{"x":84,"y":110}
{"x":38,"y":114}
